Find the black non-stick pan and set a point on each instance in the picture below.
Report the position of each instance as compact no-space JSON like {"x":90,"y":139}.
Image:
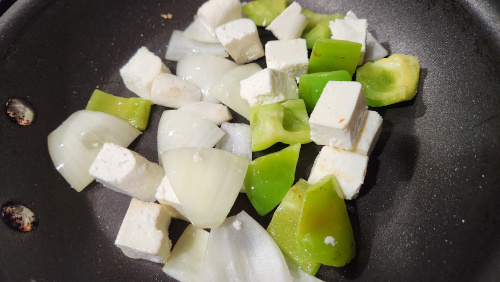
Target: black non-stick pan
{"x":429,"y":209}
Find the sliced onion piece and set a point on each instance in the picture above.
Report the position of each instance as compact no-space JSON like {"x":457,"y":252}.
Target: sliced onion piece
{"x":206,"y":182}
{"x":199,"y":32}
{"x":188,"y":256}
{"x":215,"y":113}
{"x":74,"y":145}
{"x":241,"y":250}
{"x":180,"y":46}
{"x":204,"y":71}
{"x":166,"y":196}
{"x":227,"y":88}
{"x":171,"y":91}
{"x":298,"y":274}
{"x":179,"y":129}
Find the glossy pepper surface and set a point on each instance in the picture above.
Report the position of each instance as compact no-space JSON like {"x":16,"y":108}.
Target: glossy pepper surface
{"x":283,"y":228}
{"x":133,"y":110}
{"x":324,"y":229}
{"x":285,"y":122}
{"x":269,"y":178}
{"x":332,"y":55}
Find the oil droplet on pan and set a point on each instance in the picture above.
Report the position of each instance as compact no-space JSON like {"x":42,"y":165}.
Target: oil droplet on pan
{"x":20,"y":111}
{"x":19,"y":217}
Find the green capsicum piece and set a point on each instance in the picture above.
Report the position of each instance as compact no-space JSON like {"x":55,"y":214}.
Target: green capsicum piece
{"x":134,"y":110}
{"x":389,"y":80}
{"x":285,"y":122}
{"x":318,"y":26}
{"x":283,"y":228}
{"x":263,"y":12}
{"x":324,"y":230}
{"x":332,"y":55}
{"x":269,"y":178}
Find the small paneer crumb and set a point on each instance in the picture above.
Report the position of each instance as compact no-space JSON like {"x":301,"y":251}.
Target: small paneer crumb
{"x":289,"y":24}
{"x":329,"y":240}
{"x":127,"y":172}
{"x":143,"y":233}
{"x":237,"y":224}
{"x":214,"y":13}
{"x":338,"y":115}
{"x":268,"y":86}
{"x":141,"y":70}
{"x":197,"y":157}
{"x":348,"y":167}
{"x":288,"y":56}
{"x":241,"y":40}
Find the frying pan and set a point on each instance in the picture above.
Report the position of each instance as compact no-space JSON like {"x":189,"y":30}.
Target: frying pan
{"x":429,"y":207}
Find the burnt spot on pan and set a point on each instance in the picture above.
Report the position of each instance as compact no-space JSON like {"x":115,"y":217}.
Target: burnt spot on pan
{"x":20,"y":111}
{"x":19,"y":217}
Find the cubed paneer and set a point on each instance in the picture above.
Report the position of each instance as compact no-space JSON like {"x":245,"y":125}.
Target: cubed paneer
{"x":166,"y":196}
{"x":214,"y":13}
{"x":144,"y":232}
{"x":348,"y":167}
{"x":289,"y":56}
{"x":127,"y":172}
{"x":141,"y":70}
{"x":241,"y":40}
{"x":216,"y":113}
{"x":174,"y":92}
{"x":268,"y":86}
{"x":353,"y":30}
{"x":369,"y":133}
{"x":338,"y":115}
{"x":290,"y":23}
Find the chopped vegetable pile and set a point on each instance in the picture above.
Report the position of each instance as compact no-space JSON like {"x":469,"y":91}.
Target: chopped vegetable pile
{"x":205,"y":160}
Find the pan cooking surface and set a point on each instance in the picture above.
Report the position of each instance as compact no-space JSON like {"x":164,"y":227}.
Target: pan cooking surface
{"x":428,"y":209}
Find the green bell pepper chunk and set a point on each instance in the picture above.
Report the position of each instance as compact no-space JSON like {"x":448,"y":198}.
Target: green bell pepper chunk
{"x":389,"y":80}
{"x":324,"y":228}
{"x":311,"y":85}
{"x":263,"y":12}
{"x":285,"y":122}
{"x":318,"y":26}
{"x":269,"y":178}
{"x":331,"y":55}
{"x":135,"y":111}
{"x":283,"y":228}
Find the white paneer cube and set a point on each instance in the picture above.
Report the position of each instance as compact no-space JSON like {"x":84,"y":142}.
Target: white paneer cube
{"x":216,"y":113}
{"x":144,"y":232}
{"x":141,"y":70}
{"x":166,"y":196}
{"x":351,"y":30}
{"x":268,"y":86}
{"x":369,"y":133}
{"x":289,"y":56}
{"x":241,"y":40}
{"x":348,"y":167}
{"x":214,"y":13}
{"x":290,"y":23}
{"x":171,"y":91}
{"x":127,"y":172}
{"x":338,"y":115}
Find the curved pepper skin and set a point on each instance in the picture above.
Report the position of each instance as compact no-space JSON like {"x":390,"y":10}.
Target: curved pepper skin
{"x":285,"y":122}
{"x":269,"y":178}
{"x":324,"y":228}
{"x":283,"y":228}
{"x":133,"y":110}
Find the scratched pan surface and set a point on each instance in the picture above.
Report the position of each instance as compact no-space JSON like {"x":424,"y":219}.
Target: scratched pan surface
{"x":429,"y":208}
